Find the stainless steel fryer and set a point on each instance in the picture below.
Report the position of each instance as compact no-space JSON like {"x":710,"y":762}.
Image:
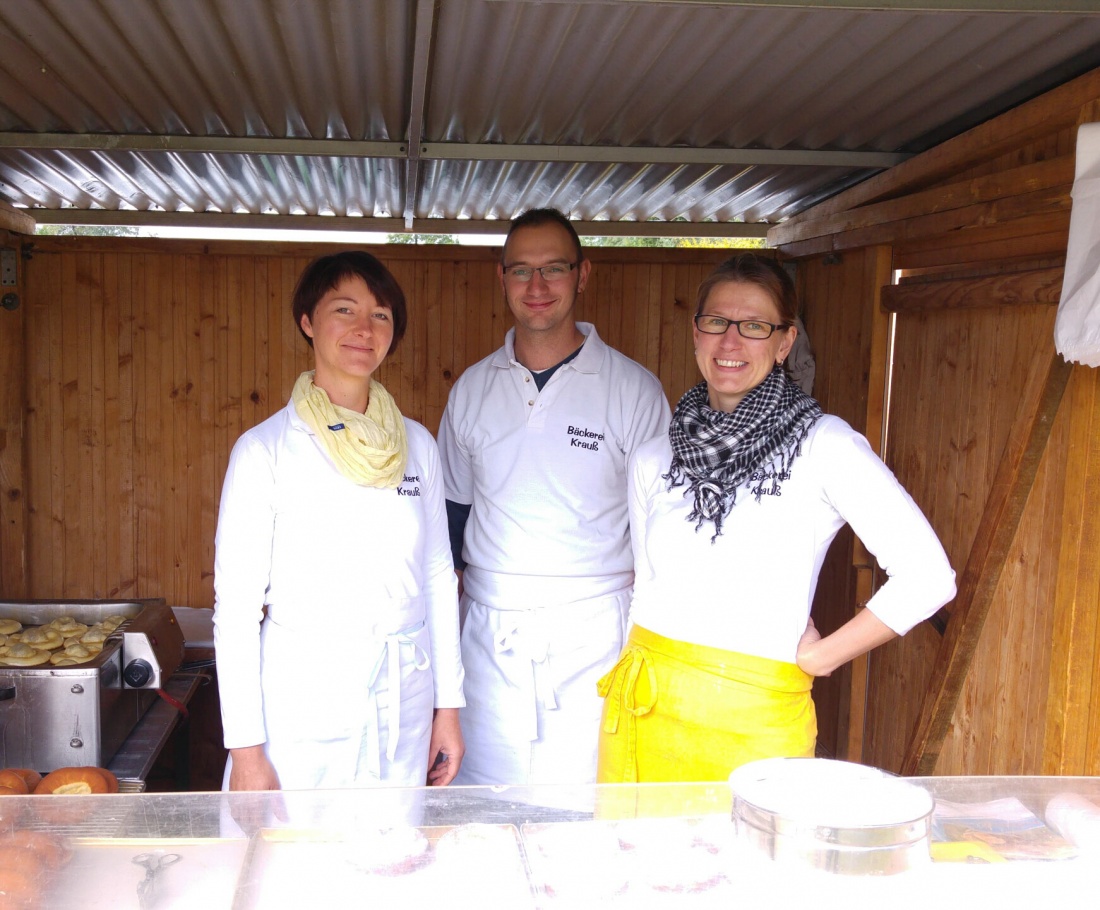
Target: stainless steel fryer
{"x":54,"y":717}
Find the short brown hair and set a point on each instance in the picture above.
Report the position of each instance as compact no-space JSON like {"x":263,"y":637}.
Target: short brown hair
{"x":325,"y":274}
{"x":538,"y":218}
{"x":765,"y":273}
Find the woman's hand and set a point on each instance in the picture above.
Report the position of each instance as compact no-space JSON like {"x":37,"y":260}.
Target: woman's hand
{"x":446,"y":749}
{"x":820,"y":656}
{"x":252,"y":770}
{"x":804,"y":653}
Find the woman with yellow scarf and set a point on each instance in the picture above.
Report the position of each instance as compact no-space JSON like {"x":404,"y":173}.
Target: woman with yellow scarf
{"x":731,"y":514}
{"x":336,"y":612}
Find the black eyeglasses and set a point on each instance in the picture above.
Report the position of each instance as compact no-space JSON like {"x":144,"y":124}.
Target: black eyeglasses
{"x":554,"y":272}
{"x":746,"y":328}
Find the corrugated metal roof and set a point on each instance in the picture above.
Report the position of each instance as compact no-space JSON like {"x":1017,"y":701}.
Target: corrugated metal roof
{"x":448,"y":113}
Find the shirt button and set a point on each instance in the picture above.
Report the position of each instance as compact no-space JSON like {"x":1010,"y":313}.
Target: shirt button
{"x":530,"y":404}
{"x":526,"y":378}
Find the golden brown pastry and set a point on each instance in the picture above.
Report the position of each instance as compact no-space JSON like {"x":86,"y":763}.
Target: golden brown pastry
{"x":8,"y":626}
{"x":18,"y":890}
{"x":72,"y":655}
{"x":96,"y":634}
{"x":112,"y":622}
{"x":109,"y":777}
{"x":13,"y":781}
{"x":66,"y":781}
{"x":44,"y":638}
{"x":68,"y":626}
{"x":28,"y":861}
{"x":23,"y":655}
{"x":29,"y":777}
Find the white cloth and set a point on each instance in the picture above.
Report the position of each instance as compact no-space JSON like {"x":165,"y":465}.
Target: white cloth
{"x":1077,"y":325}
{"x":532,"y":712}
{"x":752,"y":589}
{"x":545,"y":473}
{"x":360,"y":640}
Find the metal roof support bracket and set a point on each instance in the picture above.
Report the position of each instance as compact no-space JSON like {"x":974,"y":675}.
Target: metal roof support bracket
{"x":418,"y":100}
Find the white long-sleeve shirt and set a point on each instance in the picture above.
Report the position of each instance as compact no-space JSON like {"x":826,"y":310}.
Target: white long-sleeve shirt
{"x":338,"y":564}
{"x":752,"y":589}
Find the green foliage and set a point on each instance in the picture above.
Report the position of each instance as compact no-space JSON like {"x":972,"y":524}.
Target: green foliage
{"x":697,"y":242}
{"x":721,"y":243}
{"x":422,"y":239}
{"x":85,"y":230}
{"x":631,"y":241}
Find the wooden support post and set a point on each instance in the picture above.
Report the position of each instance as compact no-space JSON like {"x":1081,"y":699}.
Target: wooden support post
{"x":13,"y":498}
{"x":1015,"y":475}
{"x":877,"y":278}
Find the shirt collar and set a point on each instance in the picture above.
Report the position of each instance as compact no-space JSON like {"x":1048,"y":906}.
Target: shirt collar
{"x":587,"y":361}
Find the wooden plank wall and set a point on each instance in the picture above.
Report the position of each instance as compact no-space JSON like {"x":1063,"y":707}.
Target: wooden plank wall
{"x":977,"y":228}
{"x":146,"y":359}
{"x":832,"y":291}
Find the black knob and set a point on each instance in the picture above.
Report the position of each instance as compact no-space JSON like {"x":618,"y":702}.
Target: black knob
{"x":137,"y":673}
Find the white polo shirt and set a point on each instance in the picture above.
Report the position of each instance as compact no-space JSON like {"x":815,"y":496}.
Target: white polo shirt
{"x":545,"y":472}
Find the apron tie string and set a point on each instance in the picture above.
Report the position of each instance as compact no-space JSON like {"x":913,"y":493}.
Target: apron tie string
{"x":620,"y":688}
{"x":390,"y":656}
{"x":528,"y":640}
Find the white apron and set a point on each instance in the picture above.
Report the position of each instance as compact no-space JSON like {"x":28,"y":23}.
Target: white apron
{"x":346,"y":708}
{"x":532,"y":713}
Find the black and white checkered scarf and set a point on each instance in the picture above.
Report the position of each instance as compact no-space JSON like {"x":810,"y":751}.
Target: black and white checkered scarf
{"x":716,"y":453}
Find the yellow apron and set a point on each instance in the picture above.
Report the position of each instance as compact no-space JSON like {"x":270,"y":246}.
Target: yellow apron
{"x":675,"y":711}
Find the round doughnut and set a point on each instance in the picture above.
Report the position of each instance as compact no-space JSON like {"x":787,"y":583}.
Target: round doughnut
{"x":73,"y":654}
{"x":68,"y":626}
{"x":22,"y":858}
{"x":96,"y":635}
{"x":43,"y":637}
{"x":108,"y":777}
{"x":112,"y":622}
{"x":30,"y":778}
{"x":18,"y":890}
{"x":8,"y":626}
{"x":22,"y":655}
{"x":14,"y":781}
{"x":66,"y":781}
{"x":51,"y":849}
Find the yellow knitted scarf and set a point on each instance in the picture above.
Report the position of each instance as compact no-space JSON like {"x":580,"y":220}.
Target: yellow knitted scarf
{"x":370,"y":449}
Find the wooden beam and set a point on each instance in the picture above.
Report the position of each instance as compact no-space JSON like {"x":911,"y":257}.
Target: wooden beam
{"x":15,"y":220}
{"x":1039,"y":235}
{"x":1043,"y":175}
{"x":877,"y":276}
{"x":1037,"y":286}
{"x":1011,"y":486}
{"x":1073,"y":705}
{"x":1055,"y":110}
{"x":991,"y":224}
{"x":13,"y":477}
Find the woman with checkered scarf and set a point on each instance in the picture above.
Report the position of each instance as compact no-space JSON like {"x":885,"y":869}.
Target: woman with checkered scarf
{"x":731,"y":516}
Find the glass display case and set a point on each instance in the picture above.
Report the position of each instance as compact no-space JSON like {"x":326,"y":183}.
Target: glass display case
{"x":1013,"y":841}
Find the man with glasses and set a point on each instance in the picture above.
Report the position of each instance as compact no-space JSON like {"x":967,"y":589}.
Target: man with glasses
{"x":535,"y":442}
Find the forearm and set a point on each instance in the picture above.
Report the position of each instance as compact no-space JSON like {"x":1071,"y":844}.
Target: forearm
{"x":862,"y":633}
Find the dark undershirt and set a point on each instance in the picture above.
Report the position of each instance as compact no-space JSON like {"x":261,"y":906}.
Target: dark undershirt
{"x":459,"y":513}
